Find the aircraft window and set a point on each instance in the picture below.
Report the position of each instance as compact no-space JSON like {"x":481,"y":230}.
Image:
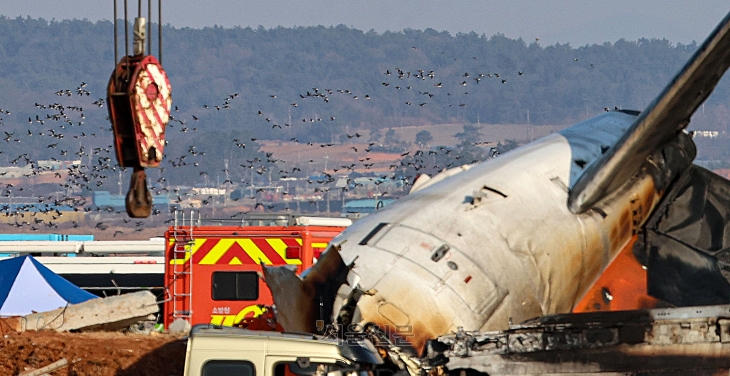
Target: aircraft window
{"x":439,"y":253}
{"x":235,"y":286}
{"x":228,"y":368}
{"x":483,"y":195}
{"x":399,"y":239}
{"x":490,"y":189}
{"x":372,"y":234}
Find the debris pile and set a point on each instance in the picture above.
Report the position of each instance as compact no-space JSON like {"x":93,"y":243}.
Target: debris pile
{"x":108,"y":339}
{"x":111,"y":313}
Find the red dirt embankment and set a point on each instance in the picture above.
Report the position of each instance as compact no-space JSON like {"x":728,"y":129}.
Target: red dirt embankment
{"x":96,"y":353}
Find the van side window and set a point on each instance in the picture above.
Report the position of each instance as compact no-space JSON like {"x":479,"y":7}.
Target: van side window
{"x":292,"y":369}
{"x":303,"y":367}
{"x":228,"y":368}
{"x":235,"y":286}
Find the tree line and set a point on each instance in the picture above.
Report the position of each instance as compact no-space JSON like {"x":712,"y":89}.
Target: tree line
{"x":314,"y":84}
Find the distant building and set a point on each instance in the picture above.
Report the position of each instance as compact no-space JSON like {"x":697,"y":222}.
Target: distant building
{"x":208,"y":191}
{"x":15,"y":172}
{"x":53,"y":165}
{"x":361,"y":208}
{"x":45,"y":237}
{"x":708,"y":134}
{"x":103,"y":199}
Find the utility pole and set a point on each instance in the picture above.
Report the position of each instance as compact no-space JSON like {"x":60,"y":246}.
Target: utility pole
{"x":228,"y":184}
{"x":342,"y":196}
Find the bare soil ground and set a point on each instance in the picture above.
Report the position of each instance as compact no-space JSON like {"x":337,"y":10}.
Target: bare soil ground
{"x":94,"y":353}
{"x":338,"y":155}
{"x":355,"y":150}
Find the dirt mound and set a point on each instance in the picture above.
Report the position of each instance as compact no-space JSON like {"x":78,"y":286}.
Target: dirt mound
{"x":98,"y":353}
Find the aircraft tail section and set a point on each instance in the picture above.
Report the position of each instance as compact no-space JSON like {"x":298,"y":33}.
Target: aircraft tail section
{"x":659,"y":124}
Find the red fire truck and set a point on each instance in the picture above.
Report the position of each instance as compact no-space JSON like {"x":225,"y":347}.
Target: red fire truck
{"x":212,"y":270}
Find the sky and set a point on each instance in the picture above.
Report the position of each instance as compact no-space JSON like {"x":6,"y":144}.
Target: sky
{"x":578,"y":22}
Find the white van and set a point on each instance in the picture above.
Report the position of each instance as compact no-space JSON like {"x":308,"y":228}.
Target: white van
{"x":224,"y":351}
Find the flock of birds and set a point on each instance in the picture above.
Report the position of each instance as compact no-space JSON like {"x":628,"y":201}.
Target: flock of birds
{"x":453,"y":90}
{"x":69,"y":135}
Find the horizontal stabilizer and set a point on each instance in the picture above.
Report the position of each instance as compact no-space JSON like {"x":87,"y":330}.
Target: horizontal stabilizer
{"x":659,"y":124}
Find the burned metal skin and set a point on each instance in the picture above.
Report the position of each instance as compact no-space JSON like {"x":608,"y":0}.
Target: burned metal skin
{"x":676,"y":341}
{"x":300,"y":304}
{"x":495,"y":243}
{"x":519,"y":236}
{"x":491,"y":244}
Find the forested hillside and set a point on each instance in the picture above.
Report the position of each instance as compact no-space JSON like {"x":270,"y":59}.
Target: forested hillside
{"x":315,"y":84}
{"x":559,"y":83}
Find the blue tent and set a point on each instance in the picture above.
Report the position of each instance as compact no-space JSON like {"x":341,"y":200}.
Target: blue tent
{"x":26,"y":286}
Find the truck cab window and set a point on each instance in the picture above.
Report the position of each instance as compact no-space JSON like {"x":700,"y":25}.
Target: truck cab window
{"x":228,"y":368}
{"x":235,"y":285}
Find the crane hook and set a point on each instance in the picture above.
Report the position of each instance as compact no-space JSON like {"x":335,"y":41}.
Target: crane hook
{"x":139,"y":200}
